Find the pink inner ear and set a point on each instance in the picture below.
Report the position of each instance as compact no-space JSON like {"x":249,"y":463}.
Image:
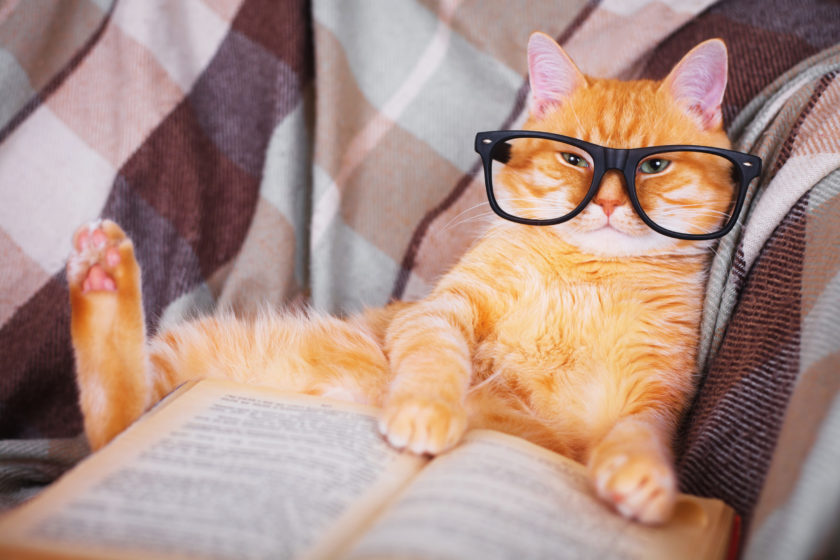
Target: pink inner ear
{"x":699,"y":80}
{"x":552,"y":74}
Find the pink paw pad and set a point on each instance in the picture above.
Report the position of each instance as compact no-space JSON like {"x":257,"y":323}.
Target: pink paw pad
{"x":96,"y":256}
{"x":97,"y":280}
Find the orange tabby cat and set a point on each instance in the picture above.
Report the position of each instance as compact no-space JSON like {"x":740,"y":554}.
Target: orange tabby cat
{"x":579,"y":336}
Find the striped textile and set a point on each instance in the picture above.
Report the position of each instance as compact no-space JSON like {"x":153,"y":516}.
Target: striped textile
{"x":772,"y":319}
{"x":321,"y":152}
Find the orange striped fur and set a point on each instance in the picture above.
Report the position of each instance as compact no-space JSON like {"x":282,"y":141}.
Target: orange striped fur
{"x":576,"y":338}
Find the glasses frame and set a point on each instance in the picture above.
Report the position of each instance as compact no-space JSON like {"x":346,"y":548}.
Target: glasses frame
{"x":626,"y":161}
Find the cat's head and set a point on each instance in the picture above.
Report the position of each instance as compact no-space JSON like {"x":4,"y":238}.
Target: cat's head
{"x":684,"y":108}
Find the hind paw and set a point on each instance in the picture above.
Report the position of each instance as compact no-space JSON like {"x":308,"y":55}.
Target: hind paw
{"x":101,"y":257}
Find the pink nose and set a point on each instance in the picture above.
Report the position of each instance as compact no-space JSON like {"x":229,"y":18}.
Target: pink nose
{"x":608,"y":204}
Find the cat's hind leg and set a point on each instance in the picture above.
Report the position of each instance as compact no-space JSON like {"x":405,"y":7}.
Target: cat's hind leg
{"x":108,"y":330}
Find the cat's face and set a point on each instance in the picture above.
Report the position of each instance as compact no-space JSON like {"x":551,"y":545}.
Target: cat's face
{"x":692,"y":190}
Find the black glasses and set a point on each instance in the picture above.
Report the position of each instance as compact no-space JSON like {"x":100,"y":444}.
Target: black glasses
{"x":687,"y":192}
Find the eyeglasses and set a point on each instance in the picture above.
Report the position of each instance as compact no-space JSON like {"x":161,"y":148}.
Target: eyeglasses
{"x":682,"y":191}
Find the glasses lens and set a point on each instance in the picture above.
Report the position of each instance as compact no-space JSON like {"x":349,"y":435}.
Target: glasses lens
{"x":539,"y":179}
{"x":688,"y":192}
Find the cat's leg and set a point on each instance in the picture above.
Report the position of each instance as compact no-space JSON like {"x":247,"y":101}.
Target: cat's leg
{"x":632,"y":467}
{"x":108,"y":330}
{"x":428,"y":348}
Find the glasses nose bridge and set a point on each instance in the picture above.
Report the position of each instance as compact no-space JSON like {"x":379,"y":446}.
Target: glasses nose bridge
{"x":615,"y":158}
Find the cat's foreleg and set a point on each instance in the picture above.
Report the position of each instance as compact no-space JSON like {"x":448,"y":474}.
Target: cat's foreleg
{"x":632,"y":467}
{"x":108,"y":330}
{"x":429,"y":350}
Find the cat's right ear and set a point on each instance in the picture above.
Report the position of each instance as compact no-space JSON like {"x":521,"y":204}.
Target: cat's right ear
{"x":552,"y":74}
{"x":698,"y":81}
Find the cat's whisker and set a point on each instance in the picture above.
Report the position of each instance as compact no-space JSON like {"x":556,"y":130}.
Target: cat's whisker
{"x":690,"y":213}
{"x":466,"y":210}
{"x":696,"y":205}
{"x":714,"y":250}
{"x":488,"y":216}
{"x":693,"y":210}
{"x":532,"y":200}
{"x":700,"y":204}
{"x":462,"y":216}
{"x":547,"y":211}
{"x":580,"y":130}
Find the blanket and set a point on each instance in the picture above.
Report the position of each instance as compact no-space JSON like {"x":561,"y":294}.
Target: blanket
{"x":770,"y":330}
{"x":321,"y":153}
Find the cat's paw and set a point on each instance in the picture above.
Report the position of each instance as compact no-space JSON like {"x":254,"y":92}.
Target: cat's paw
{"x":100,"y":257}
{"x":423,"y":425}
{"x":639,"y":483}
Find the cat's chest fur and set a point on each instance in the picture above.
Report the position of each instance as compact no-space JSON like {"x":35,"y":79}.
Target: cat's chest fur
{"x":556,"y":320}
{"x":578,"y":336}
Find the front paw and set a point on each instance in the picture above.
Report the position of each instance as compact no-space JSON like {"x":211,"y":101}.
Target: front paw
{"x":423,"y":425}
{"x":639,"y":483}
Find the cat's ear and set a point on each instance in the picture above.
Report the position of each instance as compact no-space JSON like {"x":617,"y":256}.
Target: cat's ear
{"x":698,"y":81}
{"x":552,"y":73}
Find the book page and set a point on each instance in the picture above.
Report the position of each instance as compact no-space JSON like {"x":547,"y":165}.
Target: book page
{"x":223,"y":471}
{"x":499,"y":497}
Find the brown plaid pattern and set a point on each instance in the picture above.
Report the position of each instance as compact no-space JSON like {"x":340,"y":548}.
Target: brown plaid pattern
{"x":322,"y":152}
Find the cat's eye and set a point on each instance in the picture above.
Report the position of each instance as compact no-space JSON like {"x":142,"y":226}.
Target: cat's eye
{"x":654,"y":165}
{"x":574,"y":160}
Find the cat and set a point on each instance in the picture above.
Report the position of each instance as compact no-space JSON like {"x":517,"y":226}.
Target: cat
{"x":580,"y":337}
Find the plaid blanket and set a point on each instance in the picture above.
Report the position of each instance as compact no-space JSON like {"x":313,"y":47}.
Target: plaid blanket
{"x":321,"y":152}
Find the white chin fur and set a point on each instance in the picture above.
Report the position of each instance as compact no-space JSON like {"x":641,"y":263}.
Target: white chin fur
{"x":610,"y":242}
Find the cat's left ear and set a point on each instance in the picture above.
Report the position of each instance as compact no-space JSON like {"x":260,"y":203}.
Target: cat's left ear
{"x":698,"y":81}
{"x":553,"y":75}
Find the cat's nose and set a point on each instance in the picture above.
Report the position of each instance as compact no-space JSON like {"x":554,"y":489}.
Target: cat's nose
{"x":611,"y":193}
{"x":607,"y":205}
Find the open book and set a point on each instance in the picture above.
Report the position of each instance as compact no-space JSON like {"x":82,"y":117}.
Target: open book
{"x":221,"y":470}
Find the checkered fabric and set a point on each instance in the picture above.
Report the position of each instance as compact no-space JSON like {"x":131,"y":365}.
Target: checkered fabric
{"x":321,"y":152}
